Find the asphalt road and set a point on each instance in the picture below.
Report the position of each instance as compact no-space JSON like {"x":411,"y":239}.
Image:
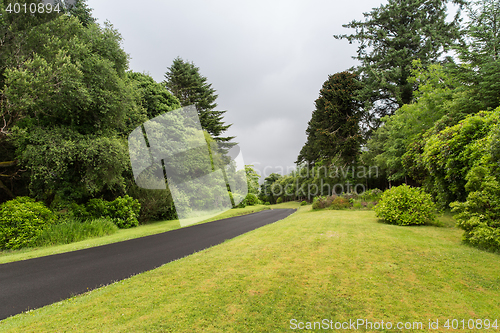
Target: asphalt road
{"x":33,"y":283}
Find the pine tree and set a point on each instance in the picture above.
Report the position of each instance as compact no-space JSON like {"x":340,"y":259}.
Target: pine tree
{"x":391,"y":37}
{"x":482,"y":43}
{"x":82,"y":11}
{"x":185,"y":82}
{"x":333,"y":130}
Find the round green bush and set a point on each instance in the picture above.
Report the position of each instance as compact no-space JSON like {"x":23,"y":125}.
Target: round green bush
{"x":303,"y":203}
{"x":251,"y":199}
{"x":22,"y":220}
{"x":405,"y":205}
{"x":340,"y":203}
{"x":280,"y":200}
{"x":124,"y":211}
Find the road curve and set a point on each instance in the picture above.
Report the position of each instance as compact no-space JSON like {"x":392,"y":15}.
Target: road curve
{"x":33,"y":283}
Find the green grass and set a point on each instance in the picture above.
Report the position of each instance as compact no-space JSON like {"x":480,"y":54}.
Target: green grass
{"x":313,"y":265}
{"x":120,"y":235}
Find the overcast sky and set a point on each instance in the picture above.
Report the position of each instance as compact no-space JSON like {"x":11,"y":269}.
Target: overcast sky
{"x":267,"y":60}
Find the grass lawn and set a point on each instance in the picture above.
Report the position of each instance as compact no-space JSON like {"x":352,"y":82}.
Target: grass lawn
{"x":120,"y":235}
{"x":313,"y":265}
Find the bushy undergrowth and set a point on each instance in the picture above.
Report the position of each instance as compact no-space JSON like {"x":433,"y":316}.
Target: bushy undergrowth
{"x":123,"y":211}
{"x":371,"y":195}
{"x":479,"y":216}
{"x":22,"y":220}
{"x":331,"y":202}
{"x":69,"y":230}
{"x":405,"y":205}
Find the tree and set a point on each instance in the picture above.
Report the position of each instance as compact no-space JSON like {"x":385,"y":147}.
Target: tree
{"x":154,"y":97}
{"x":82,"y":12}
{"x":185,"y":82}
{"x":333,"y":130}
{"x":480,"y":52}
{"x":66,"y":107}
{"x":252,"y":179}
{"x":482,"y":42}
{"x":266,"y":189}
{"x":439,"y":94}
{"x":391,"y":37}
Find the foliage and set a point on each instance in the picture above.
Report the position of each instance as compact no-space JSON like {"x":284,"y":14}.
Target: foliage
{"x":333,"y":130}
{"x":405,"y":205}
{"x":69,"y":231}
{"x":185,"y":82}
{"x":266,"y":188}
{"x":450,"y":153}
{"x":153,"y":96}
{"x":332,"y":202}
{"x":252,"y":179}
{"x":156,"y":205}
{"x":279,"y":200}
{"x":82,"y":12}
{"x":66,"y":104}
{"x":251,"y":200}
{"x":439,"y":94}
{"x":340,"y":203}
{"x":71,"y":165}
{"x":479,"y":215}
{"x":483,"y":32}
{"x":391,"y":37}
{"x":371,"y":195}
{"x":124,"y":211}
{"x":303,"y":203}
{"x":21,"y":222}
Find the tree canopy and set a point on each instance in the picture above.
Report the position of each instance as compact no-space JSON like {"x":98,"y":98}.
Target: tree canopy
{"x":333,"y":130}
{"x":391,"y":37}
{"x":184,"y":81}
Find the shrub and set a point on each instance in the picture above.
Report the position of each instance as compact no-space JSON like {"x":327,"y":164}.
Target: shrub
{"x":251,"y":199}
{"x":124,"y":211}
{"x":319,"y":202}
{"x":371,"y":195}
{"x":21,"y":222}
{"x":340,"y":203}
{"x":267,"y":203}
{"x":303,"y":203}
{"x":404,"y":205}
{"x":357,"y":205}
{"x":479,"y":216}
{"x":280,"y":200}
{"x":71,"y":230}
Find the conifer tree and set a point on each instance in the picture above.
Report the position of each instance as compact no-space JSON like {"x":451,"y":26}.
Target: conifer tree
{"x":391,"y":37}
{"x":185,"y":82}
{"x":333,"y":130}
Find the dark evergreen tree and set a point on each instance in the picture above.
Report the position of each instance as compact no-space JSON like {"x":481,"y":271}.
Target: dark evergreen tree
{"x":482,"y":42}
{"x":82,"y":11}
{"x":334,"y":130}
{"x":480,"y":52}
{"x":391,"y":37}
{"x":185,"y":82}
